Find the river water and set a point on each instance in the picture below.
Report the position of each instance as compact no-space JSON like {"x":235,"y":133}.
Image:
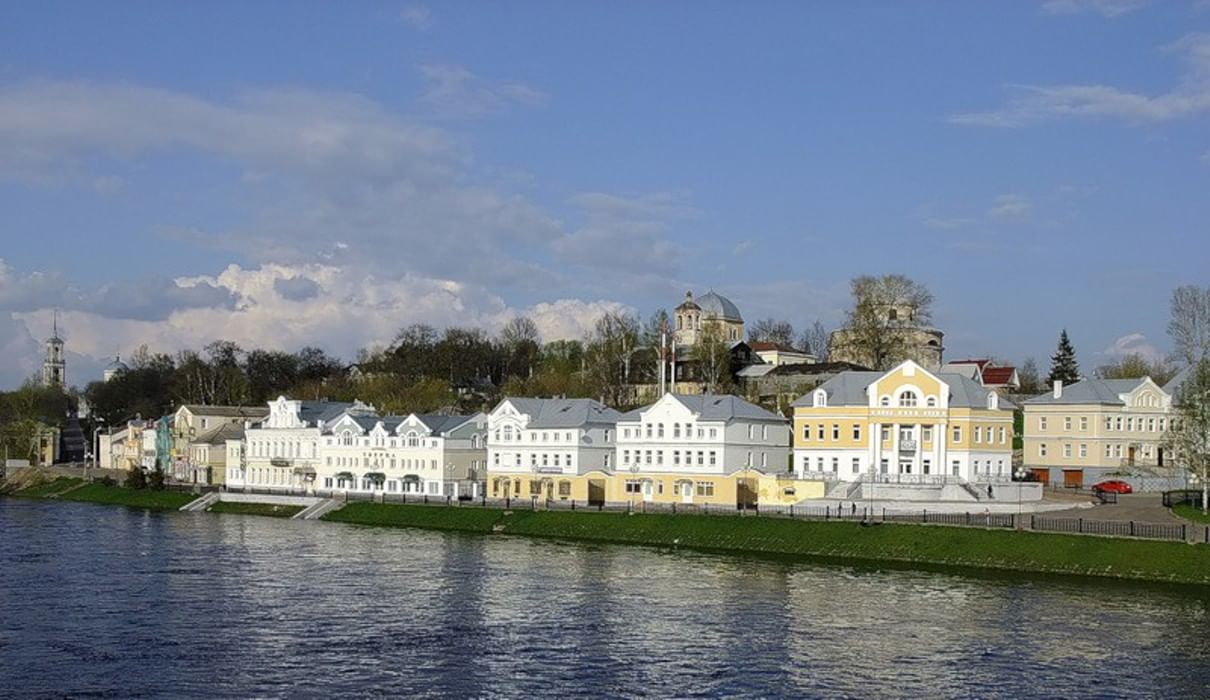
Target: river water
{"x":110,"y":602}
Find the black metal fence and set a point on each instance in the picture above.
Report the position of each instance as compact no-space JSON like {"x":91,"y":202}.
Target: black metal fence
{"x":1176,"y":498}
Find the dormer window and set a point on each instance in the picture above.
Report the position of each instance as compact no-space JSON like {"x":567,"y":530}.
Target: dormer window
{"x":821,"y":399}
{"x":993,"y":401}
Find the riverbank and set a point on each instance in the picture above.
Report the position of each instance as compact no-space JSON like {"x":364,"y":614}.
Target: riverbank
{"x":961,"y":547}
{"x":271,"y":510}
{"x":70,"y":489}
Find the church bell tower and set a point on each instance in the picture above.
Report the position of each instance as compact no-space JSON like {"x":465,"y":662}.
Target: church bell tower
{"x":54,"y":367}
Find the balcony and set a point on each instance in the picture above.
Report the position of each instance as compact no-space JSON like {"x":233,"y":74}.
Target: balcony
{"x":907,"y":445}
{"x":280,"y":462}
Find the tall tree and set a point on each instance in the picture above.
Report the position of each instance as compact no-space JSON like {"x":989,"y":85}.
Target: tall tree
{"x":877,"y":329}
{"x":771,"y":330}
{"x":1030,"y":377}
{"x":1063,"y":365}
{"x":814,"y":340}
{"x":1135,"y":366}
{"x":521,"y":344}
{"x":1189,"y":326}
{"x":615,"y":336}
{"x":712,"y":353}
{"x":1188,"y":435}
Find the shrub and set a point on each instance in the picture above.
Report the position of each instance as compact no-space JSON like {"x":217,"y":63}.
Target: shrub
{"x":136,"y":479}
{"x":155,"y":480}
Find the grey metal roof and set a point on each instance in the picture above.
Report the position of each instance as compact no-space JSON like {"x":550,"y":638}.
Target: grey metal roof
{"x":1085,"y":391}
{"x":849,"y":389}
{"x":228,"y":411}
{"x":220,"y":434}
{"x":714,"y":407}
{"x":321,"y":411}
{"x":564,"y":413}
{"x":715,"y":304}
{"x":440,"y":424}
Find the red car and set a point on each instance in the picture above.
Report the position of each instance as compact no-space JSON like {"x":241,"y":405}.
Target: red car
{"x":1113,"y":486}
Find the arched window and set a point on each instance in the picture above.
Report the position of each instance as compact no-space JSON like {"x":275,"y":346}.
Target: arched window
{"x":893,"y":314}
{"x":821,"y":399}
{"x":884,"y":401}
{"x":993,"y":401}
{"x":931,"y":402}
{"x":508,"y":433}
{"x":907,"y":399}
{"x":346,"y":438}
{"x":474,"y":442}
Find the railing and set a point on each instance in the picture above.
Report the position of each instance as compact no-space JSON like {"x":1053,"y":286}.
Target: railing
{"x":1176,"y":498}
{"x":1113,"y":528}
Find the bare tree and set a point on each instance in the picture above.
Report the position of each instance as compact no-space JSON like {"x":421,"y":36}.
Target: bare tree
{"x":712,"y":354}
{"x":876,"y":330}
{"x":1030,"y":377}
{"x":814,"y":340}
{"x":1190,"y":323}
{"x":771,"y":330}
{"x":1188,"y":435}
{"x":1135,"y":366}
{"x":614,"y":337}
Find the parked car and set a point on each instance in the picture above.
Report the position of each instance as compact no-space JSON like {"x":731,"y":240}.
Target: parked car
{"x":1113,"y":486}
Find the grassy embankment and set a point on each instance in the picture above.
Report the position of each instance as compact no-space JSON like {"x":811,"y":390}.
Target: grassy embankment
{"x":49,"y":489}
{"x":846,"y":541}
{"x":68,"y":489}
{"x":1188,"y":511}
{"x":268,"y":509}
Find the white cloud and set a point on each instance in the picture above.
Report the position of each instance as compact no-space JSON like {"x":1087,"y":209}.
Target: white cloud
{"x":742,"y":247}
{"x":1106,"y":8}
{"x":455,"y":92}
{"x":1030,"y":104}
{"x":953,"y":223}
{"x":417,"y":17}
{"x":1133,"y":344}
{"x":1011,"y":206}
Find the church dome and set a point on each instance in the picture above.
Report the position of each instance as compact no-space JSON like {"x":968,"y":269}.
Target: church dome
{"x":719,"y":306}
{"x":116,"y":366}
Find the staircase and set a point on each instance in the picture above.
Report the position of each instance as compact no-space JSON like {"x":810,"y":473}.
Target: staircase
{"x":838,"y":490}
{"x":974,"y":492}
{"x":202,"y":503}
{"x":72,"y":443}
{"x":854,"y":490}
{"x":318,"y":510}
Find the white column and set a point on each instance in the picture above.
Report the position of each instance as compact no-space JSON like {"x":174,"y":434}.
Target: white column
{"x":918,"y":456}
{"x":895,"y":447}
{"x":875,"y":449}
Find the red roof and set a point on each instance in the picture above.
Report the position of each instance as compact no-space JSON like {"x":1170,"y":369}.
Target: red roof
{"x":981,"y":363}
{"x":997,"y":376}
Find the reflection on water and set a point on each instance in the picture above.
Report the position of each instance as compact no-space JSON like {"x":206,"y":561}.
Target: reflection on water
{"x":107,"y":601}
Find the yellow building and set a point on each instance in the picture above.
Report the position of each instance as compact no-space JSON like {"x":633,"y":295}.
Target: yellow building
{"x":907,"y":426}
{"x":1080,"y":433}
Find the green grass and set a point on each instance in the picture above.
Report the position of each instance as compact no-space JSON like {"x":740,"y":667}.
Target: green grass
{"x":912,"y":544}
{"x":1188,"y":511}
{"x":428,"y":517}
{"x":269,"y":509}
{"x":48,"y":489}
{"x":119,"y":496}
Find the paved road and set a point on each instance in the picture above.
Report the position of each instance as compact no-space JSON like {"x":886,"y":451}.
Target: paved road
{"x":1140,"y":507}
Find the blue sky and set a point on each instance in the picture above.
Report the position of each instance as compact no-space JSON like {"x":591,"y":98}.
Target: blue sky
{"x":296,"y":173}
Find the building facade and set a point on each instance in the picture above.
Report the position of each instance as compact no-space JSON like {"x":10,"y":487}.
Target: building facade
{"x":907,"y":425}
{"x":921,"y":344}
{"x":190,"y":423}
{"x":696,"y":449}
{"x":1080,"y":433}
{"x":539,"y":448}
{"x":282,"y":450}
{"x":431,"y":455}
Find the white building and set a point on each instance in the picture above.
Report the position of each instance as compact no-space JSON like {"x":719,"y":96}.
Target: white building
{"x":432,"y":455}
{"x":543,"y":438}
{"x":668,"y":449}
{"x":282,"y":451}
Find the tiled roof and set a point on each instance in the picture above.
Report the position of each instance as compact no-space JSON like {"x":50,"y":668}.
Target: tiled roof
{"x":998,"y":376}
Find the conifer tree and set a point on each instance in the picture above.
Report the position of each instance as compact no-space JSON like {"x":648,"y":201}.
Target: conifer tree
{"x":1063,"y":366}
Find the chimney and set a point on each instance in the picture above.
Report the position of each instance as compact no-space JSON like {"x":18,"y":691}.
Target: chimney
{"x":1058,"y":392}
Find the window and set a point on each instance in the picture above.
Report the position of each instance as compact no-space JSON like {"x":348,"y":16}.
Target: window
{"x":1162,"y":422}
{"x":1117,"y":423}
{"x":676,"y":430}
{"x":820,"y":431}
{"x":701,"y":458}
{"x":926,"y":466}
{"x":957,"y":433}
{"x":712,"y":458}
{"x":856,"y":465}
{"x":647,"y":457}
{"x":705,"y":488}
{"x":660,"y":430}
{"x":1083,"y":423}
{"x":659,"y":457}
{"x":608,"y":435}
{"x":857,"y":432}
{"x":751,"y":431}
{"x":676,"y":457}
{"x":835,"y":432}
{"x":1083,"y":450}
{"x":955,"y":467}
{"x":764,"y":459}
{"x":1067,"y":449}
{"x":564,"y":488}
{"x":907,"y":399}
{"x":1130,"y":423}
{"x":884,"y":401}
{"x":884,"y":465}
{"x":625,"y":456}
{"x":748,"y":460}
{"x":764,"y":432}
{"x":931,"y":402}
{"x":1041,"y":422}
{"x":608,"y":455}
{"x":978,"y":434}
{"x":1117,"y":450}
{"x":649,"y":430}
{"x":886,"y":434}
{"x":835,"y":464}
{"x":1042,"y":449}
{"x":1003,"y":435}
{"x":1151,"y":425}
{"x":634,"y":486}
{"x":1066,"y":422}
{"x":806,"y":433}
{"x":626,"y":433}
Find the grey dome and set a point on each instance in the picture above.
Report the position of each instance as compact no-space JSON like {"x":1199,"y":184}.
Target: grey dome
{"x":719,"y":306}
{"x":116,"y":366}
